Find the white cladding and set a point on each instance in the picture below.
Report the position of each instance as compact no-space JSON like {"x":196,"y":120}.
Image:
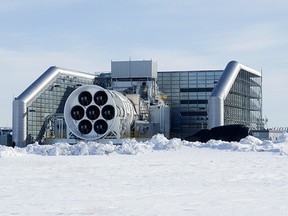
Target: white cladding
{"x":134,"y":69}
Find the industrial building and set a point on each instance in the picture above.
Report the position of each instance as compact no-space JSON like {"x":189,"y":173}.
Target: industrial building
{"x":272,"y":134}
{"x":210,"y":98}
{"x":135,"y":100}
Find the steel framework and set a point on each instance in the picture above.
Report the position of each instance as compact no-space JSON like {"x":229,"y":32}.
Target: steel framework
{"x":237,"y":98}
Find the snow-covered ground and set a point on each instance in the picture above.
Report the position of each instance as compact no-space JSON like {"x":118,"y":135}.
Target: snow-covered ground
{"x":157,"y":177}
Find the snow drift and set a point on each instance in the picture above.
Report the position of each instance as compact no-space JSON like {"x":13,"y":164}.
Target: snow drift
{"x":156,"y":143}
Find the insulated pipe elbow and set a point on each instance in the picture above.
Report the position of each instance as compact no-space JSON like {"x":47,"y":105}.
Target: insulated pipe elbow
{"x":215,"y":112}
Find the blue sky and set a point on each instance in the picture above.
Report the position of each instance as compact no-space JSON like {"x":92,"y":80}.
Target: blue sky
{"x":86,"y":35}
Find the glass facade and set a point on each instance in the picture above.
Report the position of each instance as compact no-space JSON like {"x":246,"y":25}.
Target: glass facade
{"x":48,"y":107}
{"x":243,"y":104}
{"x":188,"y":93}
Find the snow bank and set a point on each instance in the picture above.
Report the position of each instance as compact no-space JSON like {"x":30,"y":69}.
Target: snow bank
{"x":156,"y":143}
{"x":10,"y":152}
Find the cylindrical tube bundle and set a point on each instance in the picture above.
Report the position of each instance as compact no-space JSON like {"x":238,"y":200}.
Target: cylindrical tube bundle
{"x":90,"y":111}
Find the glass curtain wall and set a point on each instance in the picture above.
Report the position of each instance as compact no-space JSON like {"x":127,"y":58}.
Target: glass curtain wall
{"x":188,"y":93}
{"x":243,"y":104}
{"x":49,"y":103}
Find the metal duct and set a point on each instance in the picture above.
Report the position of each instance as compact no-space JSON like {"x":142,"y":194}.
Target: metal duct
{"x":21,"y":103}
{"x":221,"y":90}
{"x":91,"y":112}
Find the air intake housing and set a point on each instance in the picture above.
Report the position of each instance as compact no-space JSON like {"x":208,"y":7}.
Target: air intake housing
{"x":92,"y":113}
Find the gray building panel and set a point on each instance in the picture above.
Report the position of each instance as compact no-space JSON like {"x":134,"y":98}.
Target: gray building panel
{"x":133,"y":69}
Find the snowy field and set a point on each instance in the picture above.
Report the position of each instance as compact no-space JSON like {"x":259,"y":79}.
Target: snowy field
{"x":157,"y":177}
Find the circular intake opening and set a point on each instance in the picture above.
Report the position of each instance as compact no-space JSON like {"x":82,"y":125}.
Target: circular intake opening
{"x":100,"y":98}
{"x":92,"y":112}
{"x":108,"y":112}
{"x":100,"y":126}
{"x":77,"y":112}
{"x":85,"y":98}
{"x":85,"y":126}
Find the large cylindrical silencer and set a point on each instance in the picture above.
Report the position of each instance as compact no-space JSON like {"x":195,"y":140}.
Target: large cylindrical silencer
{"x":90,"y":111}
